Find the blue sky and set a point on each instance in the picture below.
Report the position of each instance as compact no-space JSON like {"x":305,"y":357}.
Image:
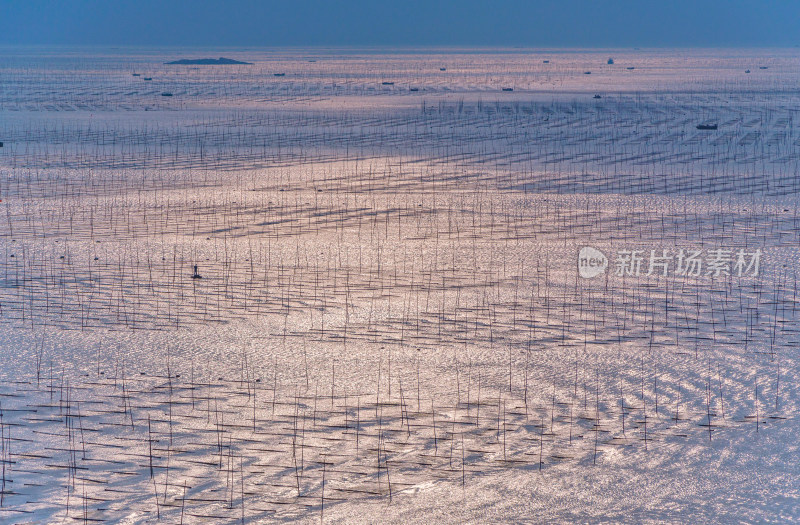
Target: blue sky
{"x":546,"y":23}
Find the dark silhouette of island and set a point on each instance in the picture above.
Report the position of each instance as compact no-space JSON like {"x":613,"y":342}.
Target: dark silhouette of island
{"x":221,"y":61}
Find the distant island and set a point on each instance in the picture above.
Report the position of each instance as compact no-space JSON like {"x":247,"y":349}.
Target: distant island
{"x":221,"y":61}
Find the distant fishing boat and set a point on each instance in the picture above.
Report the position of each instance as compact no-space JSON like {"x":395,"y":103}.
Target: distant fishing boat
{"x":279,"y":74}
{"x":413,"y":89}
{"x":610,"y":61}
{"x":597,"y":96}
{"x":166,"y":94}
{"x":442,"y":69}
{"x":545,"y":61}
{"x":137,"y":74}
{"x":387,"y":83}
{"x":707,"y":126}
{"x":148,"y":78}
{"x":630,"y":67}
{"x":508,"y":89}
{"x":587,"y":72}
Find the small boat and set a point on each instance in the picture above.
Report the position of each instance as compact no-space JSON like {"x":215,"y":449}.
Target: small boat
{"x":279,"y":74}
{"x":610,"y":61}
{"x":413,"y":89}
{"x":148,"y":78}
{"x":166,"y":94}
{"x":508,"y":89}
{"x":137,"y":74}
{"x":545,"y":61}
{"x":587,"y":72}
{"x":746,"y":70}
{"x":763,"y":67}
{"x":387,"y":83}
{"x":442,"y":69}
{"x":707,"y":127}
{"x":597,"y":96}
{"x":630,"y":67}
